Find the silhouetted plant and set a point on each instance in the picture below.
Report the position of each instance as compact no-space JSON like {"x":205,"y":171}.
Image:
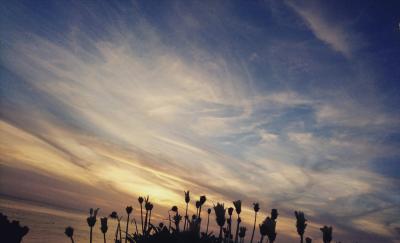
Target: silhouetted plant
{"x":187,"y":200}
{"x":274,"y":214}
{"x":220,"y":210}
{"x":208,"y":219}
{"x":256,"y":207}
{"x":267,"y":228}
{"x":175,"y":210}
{"x":104,"y":227}
{"x":202,"y":201}
{"x":150,"y":209}
{"x":197,"y":204}
{"x":140,"y":200}
{"x":229,"y":222}
{"x":326,"y":234}
{"x":242,"y":233}
{"x":308,"y":240}
{"x":91,"y":220}
{"x":147,"y":207}
{"x":69,"y":232}
{"x":128,"y":210}
{"x":238,"y":209}
{"x":300,"y":224}
{"x":177,"y":220}
{"x":115,"y":216}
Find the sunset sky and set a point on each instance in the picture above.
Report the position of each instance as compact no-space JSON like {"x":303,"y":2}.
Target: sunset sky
{"x":293,"y":104}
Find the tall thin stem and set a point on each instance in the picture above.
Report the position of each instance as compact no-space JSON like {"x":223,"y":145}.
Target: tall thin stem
{"x":91,"y":232}
{"x":301,"y":238}
{"x":120,"y":231}
{"x":141,"y":217}
{"x":145,"y":221}
{"x":149,"y":218}
{"x":126,"y":231}
{"x":137,"y":232}
{"x":230,"y":228}
{"x":254,"y":228}
{"x":220,"y":234}
{"x":104,"y":237}
{"x":208,"y":222}
{"x":237,"y":229}
{"x":186,"y":216}
{"x":169,"y":218}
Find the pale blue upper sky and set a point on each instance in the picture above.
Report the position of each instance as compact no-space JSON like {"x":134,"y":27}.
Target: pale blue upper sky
{"x":292,"y":103}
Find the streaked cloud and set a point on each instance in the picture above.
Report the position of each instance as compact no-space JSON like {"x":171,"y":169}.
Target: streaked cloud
{"x":142,"y":105}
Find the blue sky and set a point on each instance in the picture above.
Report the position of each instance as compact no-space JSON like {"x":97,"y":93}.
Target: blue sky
{"x":294,"y":104}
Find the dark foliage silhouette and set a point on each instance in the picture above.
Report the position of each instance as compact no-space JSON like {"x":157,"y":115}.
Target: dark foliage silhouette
{"x":12,"y":232}
{"x":326,"y":234}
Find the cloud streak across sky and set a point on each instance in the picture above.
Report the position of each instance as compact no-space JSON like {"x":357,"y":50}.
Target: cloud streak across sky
{"x":269,"y":102}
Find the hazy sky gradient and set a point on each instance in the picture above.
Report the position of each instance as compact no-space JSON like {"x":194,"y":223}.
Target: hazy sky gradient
{"x":292,"y":104}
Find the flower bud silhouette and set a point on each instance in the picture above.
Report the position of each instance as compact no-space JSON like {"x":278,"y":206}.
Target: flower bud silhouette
{"x":128,"y":210}
{"x":69,"y":232}
{"x":104,"y":227}
{"x":256,"y":207}
{"x":220,"y":210}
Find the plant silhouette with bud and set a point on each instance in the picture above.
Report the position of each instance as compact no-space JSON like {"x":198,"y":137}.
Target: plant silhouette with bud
{"x":220,"y":210}
{"x":140,"y":200}
{"x":256,"y":207}
{"x":69,"y":232}
{"x":128,"y":210}
{"x":114,"y":215}
{"x":300,"y":224}
{"x":238,"y":209}
{"x":91,"y":221}
{"x":104,"y":227}
{"x":208,"y":219}
{"x":187,"y":200}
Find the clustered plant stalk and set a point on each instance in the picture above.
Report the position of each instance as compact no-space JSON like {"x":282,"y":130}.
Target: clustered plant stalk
{"x":191,"y":228}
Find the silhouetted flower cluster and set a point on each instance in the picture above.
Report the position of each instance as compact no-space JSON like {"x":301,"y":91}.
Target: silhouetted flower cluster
{"x":192,"y":230}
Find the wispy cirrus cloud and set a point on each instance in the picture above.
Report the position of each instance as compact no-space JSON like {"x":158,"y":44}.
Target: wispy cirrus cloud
{"x":337,"y":37}
{"x":131,"y":108}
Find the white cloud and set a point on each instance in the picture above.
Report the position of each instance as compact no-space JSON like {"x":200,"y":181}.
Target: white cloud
{"x":337,"y":37}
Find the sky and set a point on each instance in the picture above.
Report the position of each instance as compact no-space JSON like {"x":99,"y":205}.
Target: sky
{"x":288,"y":103}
